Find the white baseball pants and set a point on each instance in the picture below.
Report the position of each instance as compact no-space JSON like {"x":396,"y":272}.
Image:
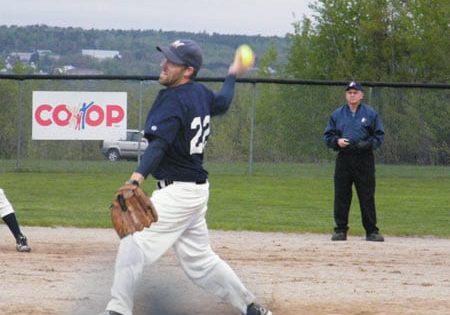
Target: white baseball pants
{"x":5,"y":206}
{"x":181,"y":208}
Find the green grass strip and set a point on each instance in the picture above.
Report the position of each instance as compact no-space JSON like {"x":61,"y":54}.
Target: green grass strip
{"x":411,"y":200}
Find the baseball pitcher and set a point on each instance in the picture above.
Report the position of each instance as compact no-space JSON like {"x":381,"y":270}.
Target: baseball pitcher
{"x":177,"y":129}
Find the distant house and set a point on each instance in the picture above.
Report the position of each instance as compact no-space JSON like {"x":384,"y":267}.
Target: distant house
{"x":101,"y":54}
{"x":44,"y":52}
{"x":30,"y":57}
{"x":84,"y":71}
{"x":48,"y":54}
{"x":64,"y":69}
{"x":22,"y":56}
{"x":71,"y":70}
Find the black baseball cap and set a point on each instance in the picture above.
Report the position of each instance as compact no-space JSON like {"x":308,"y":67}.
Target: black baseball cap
{"x":183,"y":52}
{"x":354,"y":85}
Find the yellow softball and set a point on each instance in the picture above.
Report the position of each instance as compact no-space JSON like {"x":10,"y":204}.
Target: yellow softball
{"x":246,"y":55}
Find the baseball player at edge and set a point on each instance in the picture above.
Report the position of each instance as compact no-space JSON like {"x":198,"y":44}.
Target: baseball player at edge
{"x":177,"y":129}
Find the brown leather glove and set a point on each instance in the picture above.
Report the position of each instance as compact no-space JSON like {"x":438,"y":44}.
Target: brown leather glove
{"x":132,"y":210}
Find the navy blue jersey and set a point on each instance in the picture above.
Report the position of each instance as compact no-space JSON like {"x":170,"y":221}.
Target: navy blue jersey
{"x":363,"y":125}
{"x":181,"y":117}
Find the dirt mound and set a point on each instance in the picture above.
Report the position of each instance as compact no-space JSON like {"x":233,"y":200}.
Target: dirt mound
{"x":69,"y":271}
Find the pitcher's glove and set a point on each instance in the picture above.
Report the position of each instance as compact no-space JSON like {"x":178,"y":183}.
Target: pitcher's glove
{"x":132,"y":210}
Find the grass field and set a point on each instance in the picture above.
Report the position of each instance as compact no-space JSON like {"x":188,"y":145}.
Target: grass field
{"x":411,"y":200}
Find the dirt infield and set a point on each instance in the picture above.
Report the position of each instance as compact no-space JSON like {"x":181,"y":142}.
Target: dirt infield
{"x":69,"y":271}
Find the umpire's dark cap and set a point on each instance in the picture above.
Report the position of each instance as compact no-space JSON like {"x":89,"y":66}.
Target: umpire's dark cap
{"x":183,"y":52}
{"x":354,"y":85}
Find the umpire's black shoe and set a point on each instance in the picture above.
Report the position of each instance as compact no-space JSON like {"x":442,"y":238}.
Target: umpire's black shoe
{"x":256,"y":309}
{"x":339,"y":236}
{"x":375,"y":237}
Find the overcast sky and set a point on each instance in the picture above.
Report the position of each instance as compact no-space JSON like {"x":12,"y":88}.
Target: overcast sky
{"x":248,"y":17}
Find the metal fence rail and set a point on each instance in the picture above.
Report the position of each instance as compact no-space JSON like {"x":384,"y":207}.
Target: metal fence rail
{"x":22,"y":77}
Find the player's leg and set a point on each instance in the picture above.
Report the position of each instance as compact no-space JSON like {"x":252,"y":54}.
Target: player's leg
{"x":343,"y":181}
{"x":128,"y":268}
{"x":145,"y":247}
{"x":206,"y":269}
{"x":365,"y":189}
{"x":9,"y":217}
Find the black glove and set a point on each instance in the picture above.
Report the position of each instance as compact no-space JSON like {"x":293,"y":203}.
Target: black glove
{"x":363,"y":145}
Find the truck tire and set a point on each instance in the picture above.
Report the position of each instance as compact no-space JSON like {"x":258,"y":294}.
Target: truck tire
{"x":113,"y":155}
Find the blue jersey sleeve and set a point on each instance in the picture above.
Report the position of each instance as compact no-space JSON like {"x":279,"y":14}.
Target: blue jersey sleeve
{"x":152,"y":156}
{"x":222,"y":100}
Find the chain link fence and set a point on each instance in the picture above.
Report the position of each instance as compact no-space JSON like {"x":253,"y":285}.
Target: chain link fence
{"x":270,"y":121}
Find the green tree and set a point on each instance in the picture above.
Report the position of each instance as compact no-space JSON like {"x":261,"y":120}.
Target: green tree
{"x":391,"y":40}
{"x":21,"y":68}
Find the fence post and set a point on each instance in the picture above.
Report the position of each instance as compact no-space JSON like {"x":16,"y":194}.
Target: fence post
{"x":141,"y":84}
{"x":252,"y":130}
{"x":19,"y":124}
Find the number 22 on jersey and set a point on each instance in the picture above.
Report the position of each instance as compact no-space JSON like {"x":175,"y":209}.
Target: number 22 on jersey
{"x":200,"y":138}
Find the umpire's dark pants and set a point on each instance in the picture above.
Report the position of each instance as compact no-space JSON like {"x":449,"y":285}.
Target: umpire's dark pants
{"x":357,"y":168}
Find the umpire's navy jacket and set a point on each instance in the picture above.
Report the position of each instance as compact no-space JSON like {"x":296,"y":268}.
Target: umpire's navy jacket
{"x":364,"y":129}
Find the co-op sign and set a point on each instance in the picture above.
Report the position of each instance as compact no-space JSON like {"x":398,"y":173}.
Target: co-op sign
{"x":79,"y":115}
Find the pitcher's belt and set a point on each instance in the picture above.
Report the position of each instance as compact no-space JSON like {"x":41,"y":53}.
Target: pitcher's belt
{"x":166,"y":182}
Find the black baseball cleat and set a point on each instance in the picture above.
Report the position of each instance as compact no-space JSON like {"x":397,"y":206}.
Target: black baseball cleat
{"x":339,"y":236}
{"x":22,"y":244}
{"x":110,"y":313}
{"x":375,"y":237}
{"x":256,"y":309}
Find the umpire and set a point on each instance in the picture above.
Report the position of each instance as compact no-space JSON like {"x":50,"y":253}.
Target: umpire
{"x":354,"y":130}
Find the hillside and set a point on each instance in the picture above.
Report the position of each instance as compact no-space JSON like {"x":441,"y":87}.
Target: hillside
{"x":58,"y":50}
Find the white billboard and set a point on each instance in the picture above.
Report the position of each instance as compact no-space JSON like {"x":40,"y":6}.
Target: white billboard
{"x":79,"y":115}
